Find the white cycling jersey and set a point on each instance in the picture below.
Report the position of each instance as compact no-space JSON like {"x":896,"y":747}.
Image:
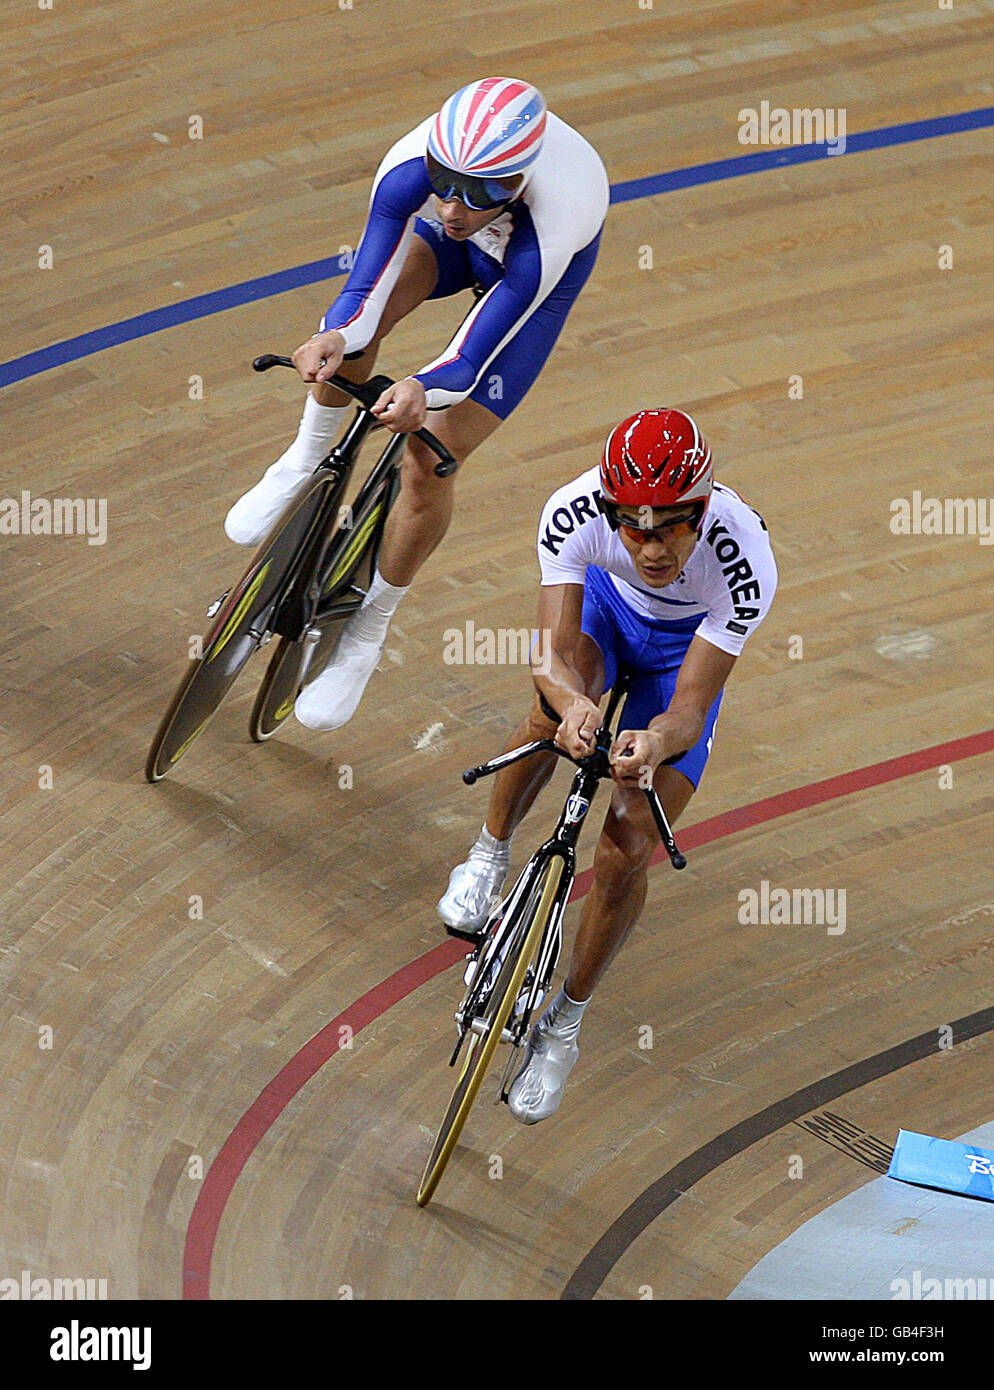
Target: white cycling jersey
{"x":729,"y":580}
{"x":521,"y":255}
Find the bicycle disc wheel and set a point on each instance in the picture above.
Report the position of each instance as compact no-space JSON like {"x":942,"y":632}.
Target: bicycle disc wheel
{"x":282,"y":682}
{"x":236,"y":631}
{"x":482,"y":1046}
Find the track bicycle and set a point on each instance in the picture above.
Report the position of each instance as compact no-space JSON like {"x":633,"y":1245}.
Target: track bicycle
{"x":310,"y":573}
{"x":511,"y":969}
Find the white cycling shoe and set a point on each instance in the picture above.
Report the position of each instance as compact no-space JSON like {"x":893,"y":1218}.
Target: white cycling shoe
{"x":552,"y":1053}
{"x":331,"y":699}
{"x":474,"y":886}
{"x":253,"y":514}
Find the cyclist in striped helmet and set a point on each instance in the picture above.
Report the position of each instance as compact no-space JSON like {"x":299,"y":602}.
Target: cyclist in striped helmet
{"x":493,"y":194}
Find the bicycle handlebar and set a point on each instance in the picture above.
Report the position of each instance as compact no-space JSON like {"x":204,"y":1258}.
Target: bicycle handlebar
{"x":548,"y":745}
{"x":367,"y":393}
{"x":542,"y":745}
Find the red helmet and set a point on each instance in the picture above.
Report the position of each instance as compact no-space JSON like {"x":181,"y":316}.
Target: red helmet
{"x":656,"y":458}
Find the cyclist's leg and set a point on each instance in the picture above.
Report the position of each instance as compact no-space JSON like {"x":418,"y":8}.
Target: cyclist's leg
{"x":614,"y":904}
{"x":421,"y":514}
{"x":516,"y":787}
{"x":624,"y":849}
{"x":611,"y":909}
{"x":416,"y":523}
{"x":629,"y":836}
{"x":476,"y":882}
{"x":598,"y":653}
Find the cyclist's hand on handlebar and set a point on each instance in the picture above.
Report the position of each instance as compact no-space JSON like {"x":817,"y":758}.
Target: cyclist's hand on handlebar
{"x":403,"y":406}
{"x":321,"y":356}
{"x":580,"y":723}
{"x":634,"y":751}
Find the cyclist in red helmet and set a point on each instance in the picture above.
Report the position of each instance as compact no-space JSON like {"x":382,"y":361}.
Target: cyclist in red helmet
{"x":649,"y":565}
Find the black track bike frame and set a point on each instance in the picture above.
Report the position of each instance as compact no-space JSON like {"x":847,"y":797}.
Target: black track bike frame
{"x":309,"y":594}
{"x":595,"y":767}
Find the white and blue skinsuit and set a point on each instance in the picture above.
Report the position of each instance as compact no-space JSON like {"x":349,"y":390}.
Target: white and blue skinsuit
{"x":529,"y":265}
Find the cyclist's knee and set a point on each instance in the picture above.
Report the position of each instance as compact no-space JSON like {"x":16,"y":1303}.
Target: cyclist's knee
{"x":622,"y":854}
{"x":418,"y":470}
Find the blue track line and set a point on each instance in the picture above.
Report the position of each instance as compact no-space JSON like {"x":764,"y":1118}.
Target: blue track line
{"x":203,"y":305}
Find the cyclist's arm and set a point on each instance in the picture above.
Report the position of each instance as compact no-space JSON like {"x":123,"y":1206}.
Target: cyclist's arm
{"x":399,"y":190}
{"x":554,"y":659}
{"x":531,"y":272}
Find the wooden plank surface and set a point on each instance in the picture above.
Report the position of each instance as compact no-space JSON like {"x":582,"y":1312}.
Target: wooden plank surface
{"x":165,"y":1029}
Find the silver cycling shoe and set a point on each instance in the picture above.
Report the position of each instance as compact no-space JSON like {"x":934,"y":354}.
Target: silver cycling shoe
{"x":474,"y":887}
{"x":551,"y":1054}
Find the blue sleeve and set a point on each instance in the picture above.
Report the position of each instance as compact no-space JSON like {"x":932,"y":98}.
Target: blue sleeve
{"x":397,"y":196}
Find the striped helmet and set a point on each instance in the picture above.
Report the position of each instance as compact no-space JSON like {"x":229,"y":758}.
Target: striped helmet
{"x":656,"y":458}
{"x":492,"y":128}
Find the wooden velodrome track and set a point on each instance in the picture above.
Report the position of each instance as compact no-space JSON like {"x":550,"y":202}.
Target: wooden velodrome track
{"x":182,"y":1134}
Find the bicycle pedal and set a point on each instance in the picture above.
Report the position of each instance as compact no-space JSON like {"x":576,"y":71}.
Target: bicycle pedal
{"x":466,"y":933}
{"x":215,"y":607}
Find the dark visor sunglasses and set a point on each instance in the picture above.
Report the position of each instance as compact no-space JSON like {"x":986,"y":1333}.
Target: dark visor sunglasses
{"x":479,"y":194}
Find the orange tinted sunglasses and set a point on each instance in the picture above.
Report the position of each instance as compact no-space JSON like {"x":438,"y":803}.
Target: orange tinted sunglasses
{"x":681,"y":526}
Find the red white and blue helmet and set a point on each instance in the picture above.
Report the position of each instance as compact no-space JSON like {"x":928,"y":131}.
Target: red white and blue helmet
{"x":490,"y":129}
{"x":656,"y":458}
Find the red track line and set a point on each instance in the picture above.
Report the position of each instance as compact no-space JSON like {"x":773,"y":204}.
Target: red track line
{"x":814,"y":794}
{"x":241,"y":1143}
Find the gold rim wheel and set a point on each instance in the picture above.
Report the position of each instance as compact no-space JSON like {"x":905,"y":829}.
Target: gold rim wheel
{"x":481,"y":1047}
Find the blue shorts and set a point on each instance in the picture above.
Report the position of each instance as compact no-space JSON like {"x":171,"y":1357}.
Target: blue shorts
{"x":463,"y":266}
{"x":652,"y":649}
